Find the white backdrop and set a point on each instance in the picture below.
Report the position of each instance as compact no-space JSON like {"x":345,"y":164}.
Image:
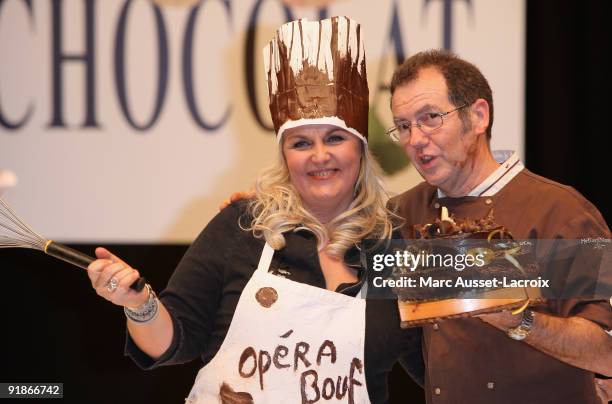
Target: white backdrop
{"x":103,"y":180}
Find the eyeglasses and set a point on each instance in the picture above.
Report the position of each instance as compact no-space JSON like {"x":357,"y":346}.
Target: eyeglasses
{"x":428,"y":122}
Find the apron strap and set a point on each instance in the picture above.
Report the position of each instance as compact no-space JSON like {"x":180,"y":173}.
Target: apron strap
{"x":266,"y":258}
{"x":363,"y":292}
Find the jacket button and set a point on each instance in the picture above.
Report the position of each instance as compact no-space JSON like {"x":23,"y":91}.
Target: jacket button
{"x":488,"y":201}
{"x":437,"y":205}
{"x":437,"y":391}
{"x":490,"y":385}
{"x":436,"y":326}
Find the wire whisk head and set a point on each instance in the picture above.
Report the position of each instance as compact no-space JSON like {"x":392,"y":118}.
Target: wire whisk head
{"x":15,"y":233}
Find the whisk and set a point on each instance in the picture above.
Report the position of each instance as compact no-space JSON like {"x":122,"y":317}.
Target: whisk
{"x":14,"y":233}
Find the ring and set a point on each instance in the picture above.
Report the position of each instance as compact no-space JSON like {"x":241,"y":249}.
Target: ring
{"x":112,"y":284}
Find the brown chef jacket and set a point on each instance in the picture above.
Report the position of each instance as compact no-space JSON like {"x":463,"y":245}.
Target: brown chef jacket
{"x":469,"y":361}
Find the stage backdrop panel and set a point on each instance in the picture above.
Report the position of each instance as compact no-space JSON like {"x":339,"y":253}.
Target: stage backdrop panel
{"x":129,"y":121}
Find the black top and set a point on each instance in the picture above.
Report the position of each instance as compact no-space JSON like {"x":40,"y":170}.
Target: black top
{"x":203,"y":292}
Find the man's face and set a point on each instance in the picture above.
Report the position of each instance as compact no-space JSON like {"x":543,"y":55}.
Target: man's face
{"x":445,"y":157}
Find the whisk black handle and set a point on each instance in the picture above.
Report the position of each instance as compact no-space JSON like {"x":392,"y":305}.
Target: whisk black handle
{"x":79,"y":259}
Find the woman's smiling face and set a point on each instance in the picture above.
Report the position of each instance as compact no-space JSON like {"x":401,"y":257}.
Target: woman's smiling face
{"x":323,"y":163}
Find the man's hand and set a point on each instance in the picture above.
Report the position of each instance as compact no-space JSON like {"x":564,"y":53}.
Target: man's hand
{"x":235,"y":197}
{"x":502,"y":320}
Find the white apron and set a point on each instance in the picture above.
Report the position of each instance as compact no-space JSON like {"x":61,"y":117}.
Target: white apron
{"x":288,"y":342}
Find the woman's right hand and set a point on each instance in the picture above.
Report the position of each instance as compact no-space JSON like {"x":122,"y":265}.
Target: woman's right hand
{"x":111,"y":277}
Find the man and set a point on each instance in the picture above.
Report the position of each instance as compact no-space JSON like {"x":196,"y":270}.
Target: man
{"x":443,"y":113}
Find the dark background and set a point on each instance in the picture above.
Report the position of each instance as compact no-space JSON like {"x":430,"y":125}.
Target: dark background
{"x":56,"y":329}
{"x":568,"y":116}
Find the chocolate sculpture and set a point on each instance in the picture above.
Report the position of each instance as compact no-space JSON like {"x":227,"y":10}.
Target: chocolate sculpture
{"x":500,"y":258}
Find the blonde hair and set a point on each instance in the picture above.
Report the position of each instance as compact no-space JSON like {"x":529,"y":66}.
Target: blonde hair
{"x":277,"y":208}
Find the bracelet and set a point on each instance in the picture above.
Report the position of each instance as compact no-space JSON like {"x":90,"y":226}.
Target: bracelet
{"x":146,"y":312}
{"x":522,"y":331}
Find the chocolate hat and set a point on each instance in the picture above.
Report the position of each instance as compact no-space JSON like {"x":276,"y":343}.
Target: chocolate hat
{"x":316,"y":74}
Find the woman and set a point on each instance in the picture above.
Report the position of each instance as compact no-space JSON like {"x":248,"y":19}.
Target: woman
{"x":266,"y":295}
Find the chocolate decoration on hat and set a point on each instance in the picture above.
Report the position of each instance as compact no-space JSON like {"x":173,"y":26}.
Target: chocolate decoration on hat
{"x":316,"y":74}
